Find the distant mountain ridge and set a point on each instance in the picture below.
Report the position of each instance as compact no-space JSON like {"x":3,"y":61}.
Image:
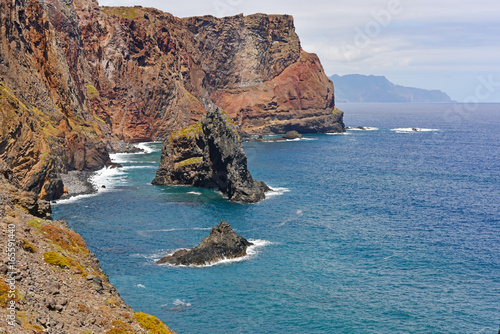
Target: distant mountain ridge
{"x":372,"y":88}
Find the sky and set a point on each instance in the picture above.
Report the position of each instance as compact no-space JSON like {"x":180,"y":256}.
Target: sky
{"x":453,"y":46}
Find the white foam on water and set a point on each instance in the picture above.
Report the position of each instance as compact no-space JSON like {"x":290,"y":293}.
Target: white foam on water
{"x":277,"y":191}
{"x":194,"y":193}
{"x":365,"y":128}
{"x":72,"y":199}
{"x":146,"y":147}
{"x":252,"y":251}
{"x":296,"y":139}
{"x":138,"y":167}
{"x":337,"y":133}
{"x":179,"y":302}
{"x":107,"y":177}
{"x":411,"y":130}
{"x":142,"y":286}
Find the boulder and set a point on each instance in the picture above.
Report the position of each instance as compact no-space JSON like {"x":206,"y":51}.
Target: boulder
{"x":292,"y":135}
{"x":222,"y":243}
{"x":209,"y":154}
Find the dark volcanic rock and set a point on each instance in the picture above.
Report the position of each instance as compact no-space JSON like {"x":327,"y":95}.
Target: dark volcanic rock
{"x":292,"y":135}
{"x":222,"y":243}
{"x":209,"y":155}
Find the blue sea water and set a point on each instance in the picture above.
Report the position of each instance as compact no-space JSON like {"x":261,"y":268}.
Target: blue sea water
{"x":381,"y":231}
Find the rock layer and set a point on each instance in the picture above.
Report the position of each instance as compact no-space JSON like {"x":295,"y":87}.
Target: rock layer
{"x":222,"y":243}
{"x":209,"y":154}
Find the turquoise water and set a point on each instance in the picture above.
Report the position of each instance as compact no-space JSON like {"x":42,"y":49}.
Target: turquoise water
{"x":380,"y":231}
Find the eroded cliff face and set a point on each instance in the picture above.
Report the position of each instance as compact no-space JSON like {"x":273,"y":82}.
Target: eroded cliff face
{"x":45,"y":125}
{"x":76,"y":78}
{"x":155,"y":73}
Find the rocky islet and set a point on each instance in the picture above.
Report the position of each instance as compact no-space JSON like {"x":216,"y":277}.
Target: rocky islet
{"x":222,"y":243}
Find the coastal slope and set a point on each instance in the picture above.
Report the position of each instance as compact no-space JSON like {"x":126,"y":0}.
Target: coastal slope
{"x":52,"y":283}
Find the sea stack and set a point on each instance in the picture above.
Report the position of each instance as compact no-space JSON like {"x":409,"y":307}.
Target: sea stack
{"x":222,"y":243}
{"x":209,"y":154}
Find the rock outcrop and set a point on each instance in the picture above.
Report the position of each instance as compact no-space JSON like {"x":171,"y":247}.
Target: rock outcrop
{"x":209,"y":154}
{"x":222,"y":243}
{"x":292,"y":135}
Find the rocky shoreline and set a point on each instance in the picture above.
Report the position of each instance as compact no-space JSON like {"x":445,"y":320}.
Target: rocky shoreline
{"x":78,"y":183}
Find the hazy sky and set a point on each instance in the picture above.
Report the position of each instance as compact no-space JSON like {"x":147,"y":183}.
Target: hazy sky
{"x":449,"y":45}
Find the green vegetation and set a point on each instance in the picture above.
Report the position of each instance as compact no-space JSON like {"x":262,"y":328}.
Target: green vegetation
{"x":92,"y":92}
{"x":56,"y":259}
{"x":4,"y":293}
{"x":189,"y":161}
{"x":151,"y":323}
{"x":112,"y":301}
{"x":120,"y":327}
{"x":27,"y":246}
{"x":188,"y":132}
{"x":99,"y":119}
{"x":123,"y":12}
{"x":67,"y":240}
{"x":35,"y":223}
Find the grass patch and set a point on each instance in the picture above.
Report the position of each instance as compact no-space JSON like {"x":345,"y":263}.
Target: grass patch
{"x":27,"y":246}
{"x":189,"y":161}
{"x":151,"y":323}
{"x":56,"y":259}
{"x":4,"y":294}
{"x":35,"y":223}
{"x":99,"y":119}
{"x":123,"y":12}
{"x":120,"y":327}
{"x":188,"y":132}
{"x":112,"y":301}
{"x":67,"y":240}
{"x":92,"y":92}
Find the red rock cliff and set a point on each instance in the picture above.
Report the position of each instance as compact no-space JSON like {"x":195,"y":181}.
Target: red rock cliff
{"x":76,"y":78}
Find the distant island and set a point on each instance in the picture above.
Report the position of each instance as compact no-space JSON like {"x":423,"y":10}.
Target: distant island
{"x":372,"y":88}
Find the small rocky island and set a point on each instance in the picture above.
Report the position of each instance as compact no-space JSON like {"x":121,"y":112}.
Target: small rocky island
{"x":209,"y":154}
{"x":222,"y":243}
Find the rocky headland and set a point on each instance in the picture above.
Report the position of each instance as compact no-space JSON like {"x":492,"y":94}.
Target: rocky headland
{"x":78,"y":81}
{"x":222,"y":243}
{"x":209,"y":154}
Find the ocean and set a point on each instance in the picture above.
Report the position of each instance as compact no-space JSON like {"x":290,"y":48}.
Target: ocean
{"x":385,"y":230}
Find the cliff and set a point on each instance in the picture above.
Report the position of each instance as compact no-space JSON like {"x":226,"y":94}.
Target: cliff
{"x":75,"y":79}
{"x":209,"y":154}
{"x":372,"y":88}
